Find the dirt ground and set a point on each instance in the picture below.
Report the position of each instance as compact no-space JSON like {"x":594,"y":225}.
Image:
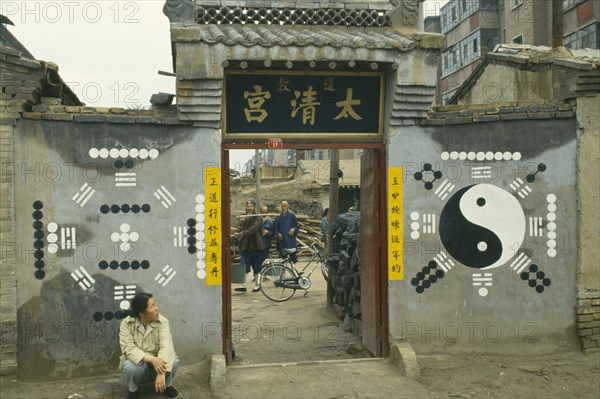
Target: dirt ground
{"x":304,"y":329}
{"x":567,"y":375}
{"x":300,"y":329}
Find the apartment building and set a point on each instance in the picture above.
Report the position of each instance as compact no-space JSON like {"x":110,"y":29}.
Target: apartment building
{"x":474,"y":27}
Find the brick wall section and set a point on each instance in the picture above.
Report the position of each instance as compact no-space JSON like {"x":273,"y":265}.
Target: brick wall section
{"x":8,"y":283}
{"x":51,"y":110}
{"x":482,"y":113}
{"x":588,"y":320}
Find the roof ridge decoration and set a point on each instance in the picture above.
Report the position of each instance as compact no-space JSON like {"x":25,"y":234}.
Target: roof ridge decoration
{"x":187,"y":12}
{"x":301,"y":36}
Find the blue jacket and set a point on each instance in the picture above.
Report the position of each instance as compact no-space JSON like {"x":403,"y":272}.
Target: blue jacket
{"x":283,"y":224}
{"x":270,"y":227}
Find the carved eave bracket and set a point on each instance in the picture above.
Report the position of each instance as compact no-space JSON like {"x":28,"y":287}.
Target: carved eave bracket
{"x":405,"y":17}
{"x":180,"y":11}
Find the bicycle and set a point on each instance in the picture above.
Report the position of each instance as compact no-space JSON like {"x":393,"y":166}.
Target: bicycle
{"x":280,"y":279}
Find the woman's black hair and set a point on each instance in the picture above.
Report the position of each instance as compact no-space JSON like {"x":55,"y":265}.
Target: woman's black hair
{"x":139,"y":303}
{"x":325,"y":212}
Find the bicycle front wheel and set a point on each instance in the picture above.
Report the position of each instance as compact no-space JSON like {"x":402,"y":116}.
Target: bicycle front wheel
{"x":275,"y":282}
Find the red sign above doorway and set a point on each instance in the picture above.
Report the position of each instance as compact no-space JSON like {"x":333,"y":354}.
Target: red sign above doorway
{"x":275,"y":143}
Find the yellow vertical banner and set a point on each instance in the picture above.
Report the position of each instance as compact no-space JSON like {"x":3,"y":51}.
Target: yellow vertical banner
{"x":214,"y":242}
{"x":395,"y":224}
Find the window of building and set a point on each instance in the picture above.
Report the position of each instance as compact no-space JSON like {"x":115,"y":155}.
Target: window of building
{"x":583,"y":38}
{"x":456,"y":11}
{"x":463,"y":53}
{"x":571,"y":3}
{"x":518,"y":39}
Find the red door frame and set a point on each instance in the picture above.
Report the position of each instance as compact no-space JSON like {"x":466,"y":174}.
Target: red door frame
{"x":380,"y":287}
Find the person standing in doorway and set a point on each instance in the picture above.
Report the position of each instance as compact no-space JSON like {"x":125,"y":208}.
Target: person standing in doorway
{"x":324,"y":224}
{"x":251,"y":243}
{"x":286,"y":226}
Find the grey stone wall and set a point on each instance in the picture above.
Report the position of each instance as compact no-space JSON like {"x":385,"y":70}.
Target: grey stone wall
{"x":508,"y":183}
{"x":104,"y":202}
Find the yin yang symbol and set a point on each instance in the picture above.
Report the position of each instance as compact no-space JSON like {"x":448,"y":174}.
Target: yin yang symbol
{"x":482,"y":226}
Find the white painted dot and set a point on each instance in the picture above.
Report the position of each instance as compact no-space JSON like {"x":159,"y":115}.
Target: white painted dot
{"x":201,"y":245}
{"x":551,"y":226}
{"x":114,"y":153}
{"x":143,"y":153}
{"x":200,"y":235}
{"x":480,"y":156}
{"x":124,"y":305}
{"x":200,"y":198}
{"x":551,"y":216}
{"x":551,"y":198}
{"x":415,"y":235}
{"x":123,"y":153}
{"x":53,"y":248}
{"x":124,"y":237}
{"x":552,"y":208}
{"x":415,"y":225}
{"x":507,"y":155}
{"x":52,"y":227}
{"x":201,"y":265}
{"x":471,"y":156}
{"x":551,"y":244}
{"x":454,"y":155}
{"x":462,"y":155}
{"x":134,"y":236}
{"x":134,"y":152}
{"x":125,"y":227}
{"x":483,"y":291}
{"x":52,"y":237}
{"x":200,"y":208}
{"x":516,"y":156}
{"x":201,"y":274}
{"x":551,"y":252}
{"x":414,"y":215}
{"x":551,"y":235}
{"x":153,"y":153}
{"x":103,"y":153}
{"x":200,"y":227}
{"x":445,"y":155}
{"x":114,"y":237}
{"x":489,"y":155}
{"x":498,"y":156}
{"x":125,"y":246}
{"x":200,"y":217}
{"x":482,"y":246}
{"x":94,"y":153}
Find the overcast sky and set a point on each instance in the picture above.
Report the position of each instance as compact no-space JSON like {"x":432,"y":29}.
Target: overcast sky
{"x":109,"y":52}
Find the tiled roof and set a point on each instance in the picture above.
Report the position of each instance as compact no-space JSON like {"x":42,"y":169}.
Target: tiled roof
{"x":245,"y":35}
{"x":482,"y":113}
{"x":585,"y":59}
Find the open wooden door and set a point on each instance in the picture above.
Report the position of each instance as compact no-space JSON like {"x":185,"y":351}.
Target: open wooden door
{"x":373,"y":258}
